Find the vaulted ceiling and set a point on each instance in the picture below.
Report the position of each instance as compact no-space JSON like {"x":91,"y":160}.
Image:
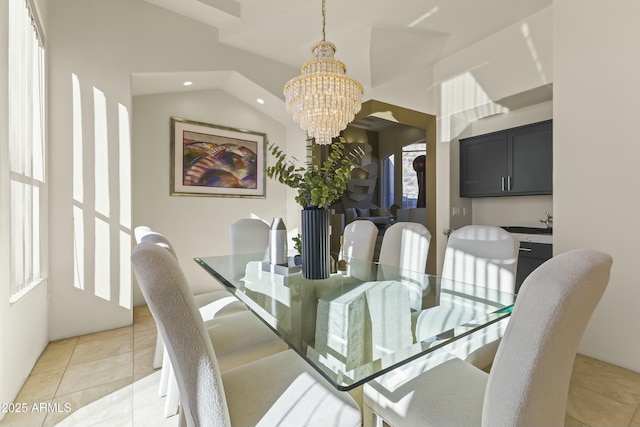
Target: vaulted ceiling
{"x":378,"y":40}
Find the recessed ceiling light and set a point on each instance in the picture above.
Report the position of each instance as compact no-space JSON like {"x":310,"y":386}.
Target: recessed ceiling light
{"x":187,"y":83}
{"x":260,"y":101}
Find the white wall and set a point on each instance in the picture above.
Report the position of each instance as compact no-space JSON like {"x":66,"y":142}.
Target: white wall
{"x":596,"y":177}
{"x":103,"y":43}
{"x":196,"y":226}
{"x":482,"y":81}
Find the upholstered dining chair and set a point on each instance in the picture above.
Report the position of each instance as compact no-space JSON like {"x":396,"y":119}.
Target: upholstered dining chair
{"x":249,"y":235}
{"x":359,"y":240}
{"x":404,"y":251}
{"x":529,"y":380}
{"x":277,"y":390}
{"x":211,"y":304}
{"x":241,"y":337}
{"x":405,"y":245}
{"x":486,"y":256}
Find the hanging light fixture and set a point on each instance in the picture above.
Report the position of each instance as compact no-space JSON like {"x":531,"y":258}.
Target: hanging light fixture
{"x":323,"y":100}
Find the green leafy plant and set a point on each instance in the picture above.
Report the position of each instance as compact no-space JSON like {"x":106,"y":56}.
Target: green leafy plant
{"x":319,"y":183}
{"x":297,"y":243}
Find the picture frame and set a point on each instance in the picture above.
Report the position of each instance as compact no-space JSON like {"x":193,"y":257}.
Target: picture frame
{"x":218,"y":161}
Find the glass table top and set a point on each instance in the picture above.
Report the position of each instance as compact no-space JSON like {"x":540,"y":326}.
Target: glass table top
{"x":359,"y":323}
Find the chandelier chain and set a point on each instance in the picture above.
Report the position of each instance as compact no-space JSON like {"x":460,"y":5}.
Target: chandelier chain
{"x":324,"y":18}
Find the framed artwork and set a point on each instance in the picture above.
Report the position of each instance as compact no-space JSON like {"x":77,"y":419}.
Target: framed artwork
{"x":211,"y":160}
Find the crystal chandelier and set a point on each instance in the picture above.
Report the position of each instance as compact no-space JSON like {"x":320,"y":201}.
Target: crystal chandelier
{"x":323,"y":100}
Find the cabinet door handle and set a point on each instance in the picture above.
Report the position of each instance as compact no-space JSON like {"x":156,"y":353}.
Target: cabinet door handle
{"x":509,"y":183}
{"x":525,"y":250}
{"x":503,"y":183}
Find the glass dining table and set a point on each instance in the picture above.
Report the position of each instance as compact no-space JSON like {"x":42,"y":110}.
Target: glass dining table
{"x":361,"y":322}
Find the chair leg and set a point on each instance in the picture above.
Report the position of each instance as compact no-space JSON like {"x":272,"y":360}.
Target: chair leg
{"x":172,"y":402}
{"x":165,"y":374}
{"x":158,"y":355}
{"x":370,"y":418}
{"x":182,"y":420}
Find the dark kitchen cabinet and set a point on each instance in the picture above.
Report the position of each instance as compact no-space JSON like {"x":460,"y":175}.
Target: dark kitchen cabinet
{"x":531,"y":256}
{"x":512,"y":162}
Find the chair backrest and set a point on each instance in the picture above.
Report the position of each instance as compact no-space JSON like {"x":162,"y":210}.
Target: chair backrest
{"x":186,"y":340}
{"x":249,"y":235}
{"x":359,"y":240}
{"x":529,"y":379}
{"x":146,"y":234}
{"x":406,"y":245}
{"x":483,"y":255}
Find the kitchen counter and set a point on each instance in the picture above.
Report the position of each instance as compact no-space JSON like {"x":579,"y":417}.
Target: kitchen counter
{"x":535,"y":238}
{"x":531,"y":234}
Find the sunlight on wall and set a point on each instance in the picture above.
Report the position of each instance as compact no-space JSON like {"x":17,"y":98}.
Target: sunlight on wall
{"x":78,"y":186}
{"x":78,"y":247}
{"x":101,"y":151}
{"x":463,"y":101}
{"x":102,"y":238}
{"x":526,"y":33}
{"x":102,"y":264}
{"x":124,"y":167}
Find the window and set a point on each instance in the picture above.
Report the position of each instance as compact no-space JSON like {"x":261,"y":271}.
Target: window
{"x":409,"y":177}
{"x":387,"y":181}
{"x":26,"y":148}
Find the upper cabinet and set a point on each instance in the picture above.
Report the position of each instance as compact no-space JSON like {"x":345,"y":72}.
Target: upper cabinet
{"x":511,"y":162}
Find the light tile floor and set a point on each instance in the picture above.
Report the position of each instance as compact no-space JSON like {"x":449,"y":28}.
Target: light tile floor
{"x":106,"y":379}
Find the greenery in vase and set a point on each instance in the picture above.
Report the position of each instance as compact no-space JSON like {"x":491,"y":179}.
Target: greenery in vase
{"x":319,"y":183}
{"x":297,"y":243}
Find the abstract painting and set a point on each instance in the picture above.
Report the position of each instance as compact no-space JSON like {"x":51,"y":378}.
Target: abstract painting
{"x":212,"y":160}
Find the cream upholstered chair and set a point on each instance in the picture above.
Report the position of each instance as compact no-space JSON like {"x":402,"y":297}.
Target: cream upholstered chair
{"x":211,"y":304}
{"x":359,"y":240}
{"x":483,"y":255}
{"x":404,"y":250}
{"x":240,"y":336}
{"x":406,"y":245}
{"x":529,"y":380}
{"x":277,"y":390}
{"x":486,"y":256}
{"x":249,"y":235}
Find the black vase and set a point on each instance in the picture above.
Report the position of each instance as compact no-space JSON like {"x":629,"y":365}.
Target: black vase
{"x":315,"y":243}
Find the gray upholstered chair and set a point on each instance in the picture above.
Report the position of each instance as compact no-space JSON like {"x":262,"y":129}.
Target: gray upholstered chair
{"x":278,"y":390}
{"x":529,"y":380}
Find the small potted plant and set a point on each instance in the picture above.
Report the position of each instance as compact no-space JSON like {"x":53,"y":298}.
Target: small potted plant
{"x":319,"y":183}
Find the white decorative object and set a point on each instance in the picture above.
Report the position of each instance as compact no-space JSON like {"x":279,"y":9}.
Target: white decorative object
{"x":323,"y":100}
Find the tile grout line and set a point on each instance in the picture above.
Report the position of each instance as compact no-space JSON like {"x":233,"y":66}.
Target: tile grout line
{"x":55,"y":394}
